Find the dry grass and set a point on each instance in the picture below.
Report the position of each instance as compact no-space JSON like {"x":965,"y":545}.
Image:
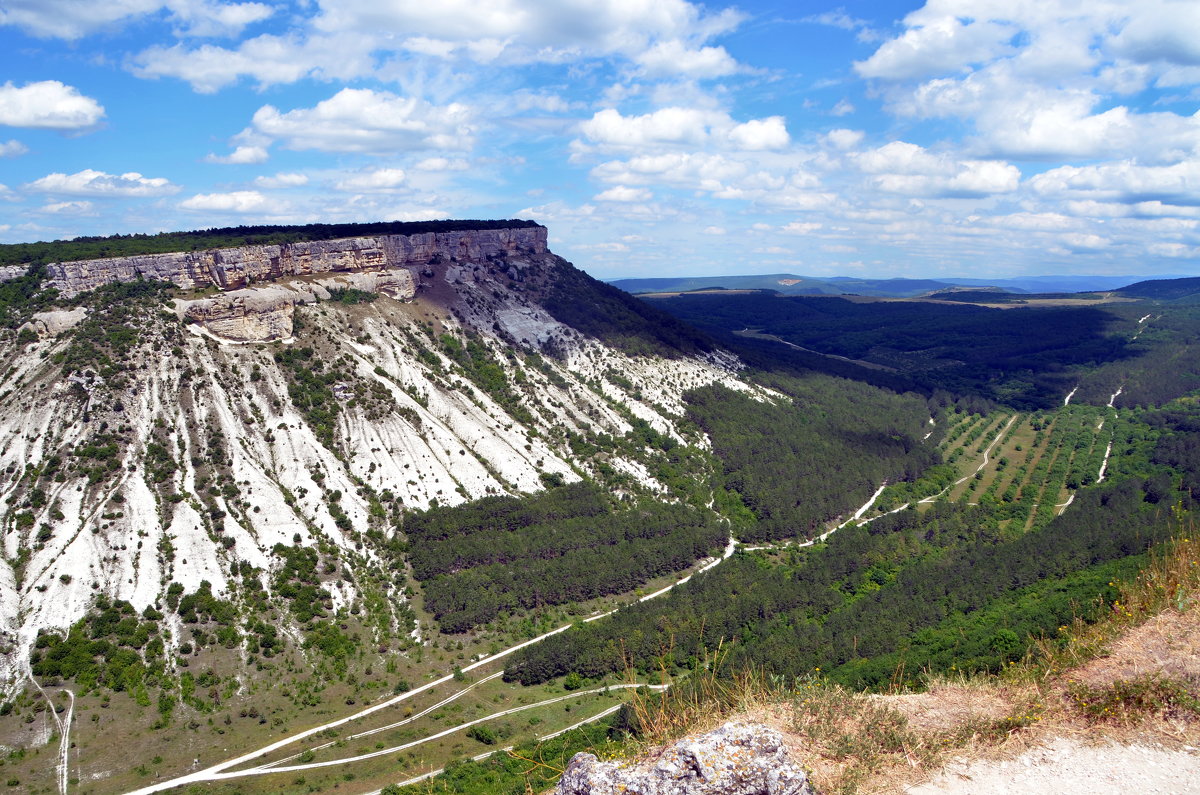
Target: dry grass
{"x":1134,"y":675}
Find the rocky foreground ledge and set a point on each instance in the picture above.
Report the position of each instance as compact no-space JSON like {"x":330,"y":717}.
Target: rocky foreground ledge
{"x":736,"y":759}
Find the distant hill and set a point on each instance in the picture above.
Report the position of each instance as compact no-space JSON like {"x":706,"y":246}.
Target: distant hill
{"x":788,"y":284}
{"x":792,"y":284}
{"x":1163,"y":289}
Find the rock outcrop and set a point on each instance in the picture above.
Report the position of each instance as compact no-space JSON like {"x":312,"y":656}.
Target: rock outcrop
{"x":736,"y":759}
{"x":264,"y":314}
{"x":233,"y":268}
{"x":56,"y":321}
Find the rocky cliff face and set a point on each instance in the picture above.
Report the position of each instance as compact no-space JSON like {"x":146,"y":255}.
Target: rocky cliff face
{"x":265,"y":314}
{"x":736,"y":759}
{"x":141,"y":454}
{"x":233,"y":268}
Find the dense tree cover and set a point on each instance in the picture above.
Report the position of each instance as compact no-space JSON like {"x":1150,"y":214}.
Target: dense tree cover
{"x":111,"y":647}
{"x":568,"y":544}
{"x":531,"y":767}
{"x":1164,"y":360}
{"x":24,"y":295}
{"x":226,"y":237}
{"x":865,"y":594}
{"x":1016,"y":356}
{"x":617,"y":318}
{"x":816,"y":454}
{"x":1162,"y":289}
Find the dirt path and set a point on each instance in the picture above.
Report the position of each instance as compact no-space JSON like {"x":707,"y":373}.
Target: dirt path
{"x":1067,"y":765}
{"x":221,"y":770}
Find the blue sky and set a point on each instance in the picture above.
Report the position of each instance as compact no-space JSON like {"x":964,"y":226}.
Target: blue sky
{"x":987,"y":138}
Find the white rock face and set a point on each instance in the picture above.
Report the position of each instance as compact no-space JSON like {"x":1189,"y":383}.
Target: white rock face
{"x":56,"y":321}
{"x":231,"y":268}
{"x":410,"y":425}
{"x":736,"y":759}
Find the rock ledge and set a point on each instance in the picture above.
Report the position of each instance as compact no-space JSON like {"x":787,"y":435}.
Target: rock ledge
{"x":736,"y":759}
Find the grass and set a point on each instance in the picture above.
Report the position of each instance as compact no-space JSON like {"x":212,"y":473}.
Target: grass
{"x":1069,"y":684}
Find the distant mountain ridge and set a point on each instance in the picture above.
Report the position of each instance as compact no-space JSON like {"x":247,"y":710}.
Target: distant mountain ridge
{"x":792,"y":284}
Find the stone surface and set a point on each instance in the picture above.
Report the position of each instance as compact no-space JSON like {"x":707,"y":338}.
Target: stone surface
{"x":233,"y":268}
{"x":264,"y":314}
{"x":56,"y":321}
{"x":736,"y":759}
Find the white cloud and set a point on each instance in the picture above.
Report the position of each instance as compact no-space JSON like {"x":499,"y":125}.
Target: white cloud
{"x":238,"y":201}
{"x":611,"y":130}
{"x":47,"y":105}
{"x":714,"y":230}
{"x":1082,"y":241}
{"x":206,"y":18}
{"x":936,"y":44}
{"x":268,"y":59}
{"x":801,"y":227}
{"x":90,"y":182}
{"x":1162,"y":30}
{"x":621,"y":193}
{"x":241,"y":155}
{"x":669,"y":58}
{"x":442,"y":164}
{"x":71,"y":19}
{"x":844,"y":139}
{"x":12,"y":148}
{"x":911,"y":170}
{"x":1124,"y":181}
{"x":758,"y":134}
{"x":1037,"y":79}
{"x":67,"y":208}
{"x":281,"y":180}
{"x":346,"y":38}
{"x":380,"y":179}
{"x":843,"y":108}
{"x":367,"y":121}
{"x":531,"y":30}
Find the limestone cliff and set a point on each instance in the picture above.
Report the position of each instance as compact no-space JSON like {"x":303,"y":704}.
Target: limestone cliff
{"x":264,"y":314}
{"x":232,"y":268}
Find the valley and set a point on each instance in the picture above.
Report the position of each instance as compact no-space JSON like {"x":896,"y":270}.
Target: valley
{"x":360,"y":512}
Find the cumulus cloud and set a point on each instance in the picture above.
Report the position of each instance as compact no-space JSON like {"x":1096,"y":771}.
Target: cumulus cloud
{"x":90,"y":182}
{"x":844,"y":139}
{"x":1124,"y":182}
{"x":241,"y":155}
{"x":1037,"y":80}
{"x":668,"y":37}
{"x":268,"y":59}
{"x":281,"y":180}
{"x":533,"y":30}
{"x":801,"y":227}
{"x":380,"y":179}
{"x":71,"y":19}
{"x":206,"y":18}
{"x":48,"y":105}
{"x":621,"y":193}
{"x":671,"y":58}
{"x":442,"y":164}
{"x":367,"y":121}
{"x":911,"y":170}
{"x":609,"y":129}
{"x":83,"y":207}
{"x":238,"y":201}
{"x":12,"y":148}
{"x":936,"y":44}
